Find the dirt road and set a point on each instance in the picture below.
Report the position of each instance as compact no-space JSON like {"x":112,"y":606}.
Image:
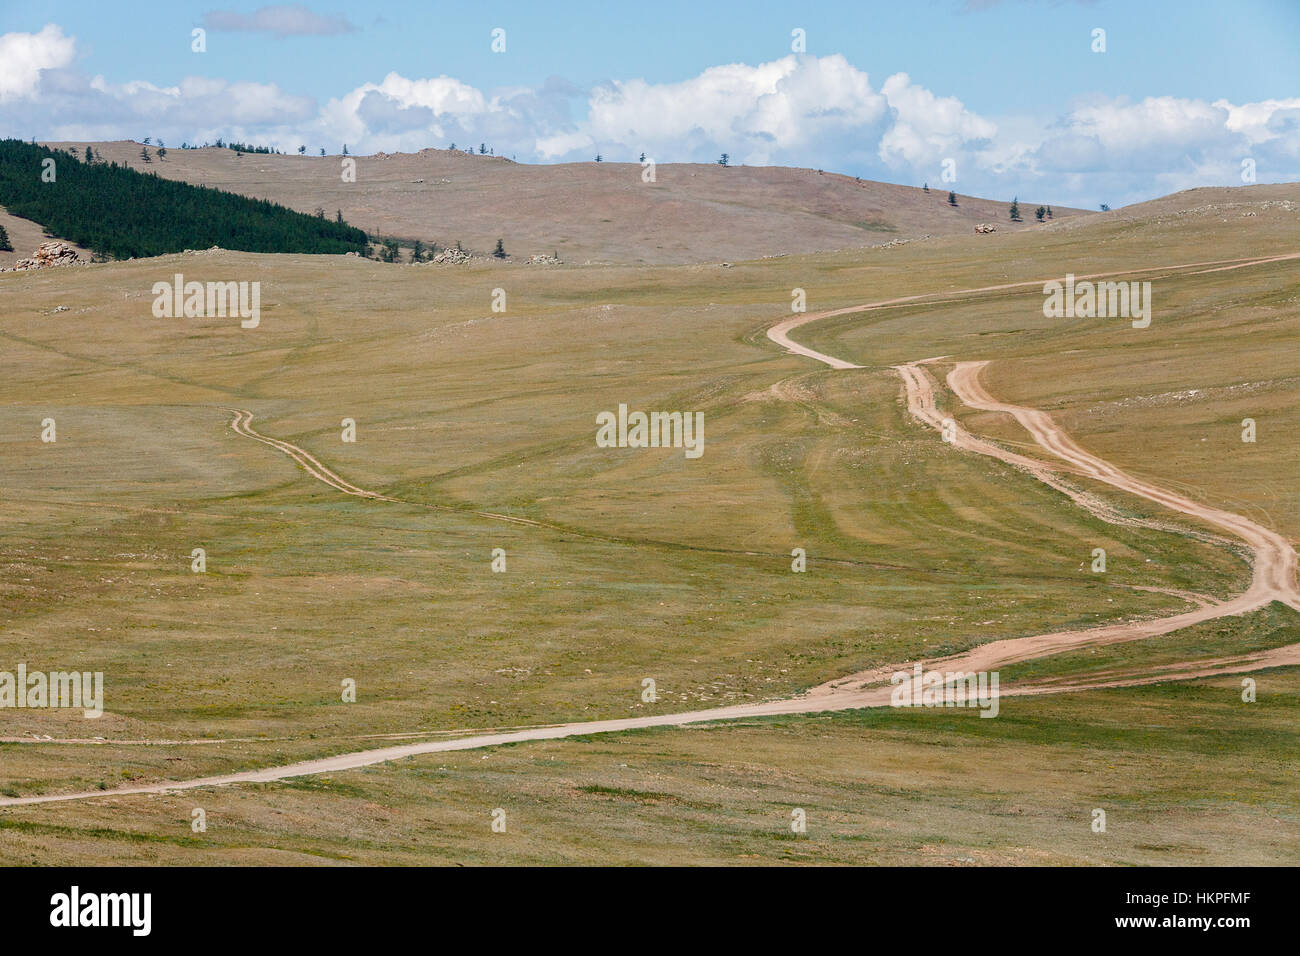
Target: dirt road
{"x":780,"y":333}
{"x":1274,"y":559}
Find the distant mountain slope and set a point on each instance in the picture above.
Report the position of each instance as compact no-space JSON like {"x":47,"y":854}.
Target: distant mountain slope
{"x":599,"y":212}
{"x":124,"y":213}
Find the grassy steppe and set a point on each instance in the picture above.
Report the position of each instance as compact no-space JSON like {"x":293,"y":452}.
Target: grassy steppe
{"x":656,"y":566}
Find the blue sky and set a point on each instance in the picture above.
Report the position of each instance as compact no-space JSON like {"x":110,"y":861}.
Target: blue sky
{"x":1009,"y":92}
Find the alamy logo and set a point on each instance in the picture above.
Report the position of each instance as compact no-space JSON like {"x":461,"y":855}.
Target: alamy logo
{"x":74,"y":908}
{"x":1087,"y":300}
{"x":923,"y":688}
{"x":197,"y":300}
{"x":651,"y":430}
{"x":57,"y":689}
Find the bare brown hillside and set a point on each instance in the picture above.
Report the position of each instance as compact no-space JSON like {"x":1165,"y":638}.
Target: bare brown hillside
{"x":1201,"y":203}
{"x":597,"y":212}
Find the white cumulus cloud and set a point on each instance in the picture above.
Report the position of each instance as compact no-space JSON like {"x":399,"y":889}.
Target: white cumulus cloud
{"x":24,"y":55}
{"x":820,"y":112}
{"x":928,"y":128}
{"x":772,"y":112}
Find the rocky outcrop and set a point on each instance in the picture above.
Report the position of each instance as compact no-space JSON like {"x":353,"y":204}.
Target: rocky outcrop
{"x":49,"y":254}
{"x":985,"y":227}
{"x":454,"y":256}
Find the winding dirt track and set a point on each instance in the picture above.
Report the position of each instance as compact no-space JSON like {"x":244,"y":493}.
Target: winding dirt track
{"x":1273,"y":579}
{"x":1274,"y":559}
{"x":780,"y":333}
{"x":1274,"y":576}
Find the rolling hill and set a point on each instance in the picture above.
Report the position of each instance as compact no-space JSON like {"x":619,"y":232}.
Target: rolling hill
{"x":588,"y":212}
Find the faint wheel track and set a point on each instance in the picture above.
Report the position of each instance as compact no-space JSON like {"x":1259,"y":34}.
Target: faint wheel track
{"x":241,"y":425}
